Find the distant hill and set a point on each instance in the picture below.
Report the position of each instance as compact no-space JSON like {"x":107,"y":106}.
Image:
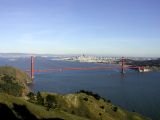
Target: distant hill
{"x":13,"y":81}
{"x":149,"y":63}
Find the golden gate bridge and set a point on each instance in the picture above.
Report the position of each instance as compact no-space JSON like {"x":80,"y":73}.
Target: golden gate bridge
{"x":122,"y":67}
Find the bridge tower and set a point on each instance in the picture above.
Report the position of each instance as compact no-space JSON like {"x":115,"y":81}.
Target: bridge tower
{"x":122,"y":65}
{"x":32,"y":67}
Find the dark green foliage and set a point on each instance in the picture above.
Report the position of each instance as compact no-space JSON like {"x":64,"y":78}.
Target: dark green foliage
{"x":8,"y":78}
{"x":13,"y":81}
{"x":109,"y":101}
{"x":102,"y":107}
{"x":72,"y":112}
{"x":50,"y":101}
{"x":150,"y":63}
{"x":16,"y":74}
{"x":115,"y":109}
{"x":40,"y":99}
{"x":31,"y":96}
{"x":96,"y":96}
{"x":85,"y":99}
{"x":8,"y":86}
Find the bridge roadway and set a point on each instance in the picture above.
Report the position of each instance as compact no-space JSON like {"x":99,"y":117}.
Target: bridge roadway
{"x":84,"y":68}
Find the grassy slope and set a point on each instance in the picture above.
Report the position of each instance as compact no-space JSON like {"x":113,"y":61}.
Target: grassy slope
{"x":83,"y":110}
{"x":21,"y":77}
{"x":92,"y":108}
{"x":13,"y":78}
{"x":39,"y":111}
{"x":70,"y":107}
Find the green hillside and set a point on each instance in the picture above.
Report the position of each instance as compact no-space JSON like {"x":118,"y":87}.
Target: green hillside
{"x":92,"y":107}
{"x":78,"y":106}
{"x":16,"y":102}
{"x":17,"y":108}
{"x":13,"y":81}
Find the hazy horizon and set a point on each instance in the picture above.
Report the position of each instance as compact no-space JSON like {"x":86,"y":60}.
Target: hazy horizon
{"x":98,"y":55}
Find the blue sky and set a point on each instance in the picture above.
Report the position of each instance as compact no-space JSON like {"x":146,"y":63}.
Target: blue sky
{"x":104,"y":27}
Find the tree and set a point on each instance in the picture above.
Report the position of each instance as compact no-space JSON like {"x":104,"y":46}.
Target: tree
{"x":115,"y":109}
{"x":40,"y":99}
{"x":50,"y":101}
{"x":31,"y":96}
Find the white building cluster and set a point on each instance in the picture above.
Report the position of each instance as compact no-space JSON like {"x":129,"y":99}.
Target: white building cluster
{"x":92,"y":59}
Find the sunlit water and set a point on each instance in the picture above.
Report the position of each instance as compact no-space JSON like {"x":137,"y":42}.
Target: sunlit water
{"x":133,"y":91}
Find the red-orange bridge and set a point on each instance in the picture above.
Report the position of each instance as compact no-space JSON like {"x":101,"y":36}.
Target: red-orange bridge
{"x":122,"y":67}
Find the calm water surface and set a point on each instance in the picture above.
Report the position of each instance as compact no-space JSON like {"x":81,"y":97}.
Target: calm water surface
{"x":132,"y":91}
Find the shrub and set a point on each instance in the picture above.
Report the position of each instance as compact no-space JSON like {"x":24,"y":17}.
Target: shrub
{"x":85,"y":99}
{"x":40,"y":99}
{"x":50,"y":101}
{"x":72,"y":112}
{"x":31,"y":96}
{"x":102,"y":107}
{"x":96,"y":96}
{"x":12,"y":88}
{"x":109,"y":101}
{"x":115,"y":109}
